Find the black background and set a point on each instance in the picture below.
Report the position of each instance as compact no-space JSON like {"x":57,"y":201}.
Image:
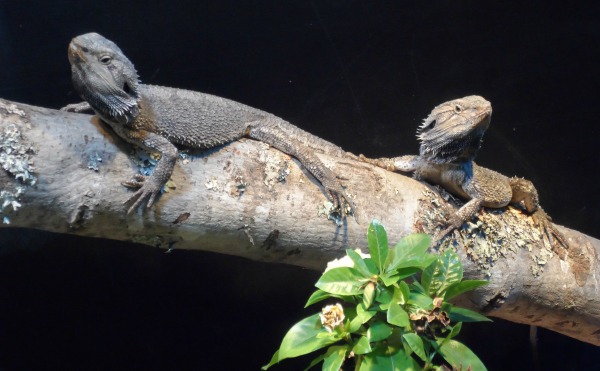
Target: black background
{"x":362,"y":74}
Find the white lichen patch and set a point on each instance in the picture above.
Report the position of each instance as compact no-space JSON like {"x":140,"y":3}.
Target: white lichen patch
{"x":93,"y":161}
{"x":490,"y":235}
{"x":16,"y":155}
{"x":240,"y":186}
{"x":9,"y":202}
{"x":185,"y":157}
{"x":328,"y":210}
{"x":12,"y":109}
{"x":212,"y":184}
{"x":276,"y":171}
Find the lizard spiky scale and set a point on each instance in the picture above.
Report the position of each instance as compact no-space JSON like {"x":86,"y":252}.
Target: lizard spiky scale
{"x":158,"y":118}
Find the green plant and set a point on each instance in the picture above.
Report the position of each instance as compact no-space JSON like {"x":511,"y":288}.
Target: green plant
{"x":395,"y":314}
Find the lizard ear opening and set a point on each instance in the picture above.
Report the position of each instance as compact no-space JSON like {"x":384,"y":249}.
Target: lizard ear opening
{"x":427,"y":125}
{"x":430,"y":126}
{"x":127,"y":89}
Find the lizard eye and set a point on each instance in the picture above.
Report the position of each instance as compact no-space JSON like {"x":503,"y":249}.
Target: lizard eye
{"x":457,"y":109}
{"x":105,"y":59}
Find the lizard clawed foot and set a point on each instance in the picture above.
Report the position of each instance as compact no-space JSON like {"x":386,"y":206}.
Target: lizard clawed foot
{"x":454,"y":223}
{"x":147,"y":190}
{"x":341,"y":202}
{"x":549,"y":233}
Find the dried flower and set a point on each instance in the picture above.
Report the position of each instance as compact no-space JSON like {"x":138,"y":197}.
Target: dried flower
{"x":332,"y":316}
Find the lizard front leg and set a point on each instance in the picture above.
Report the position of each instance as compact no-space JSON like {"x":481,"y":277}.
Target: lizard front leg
{"x":275,"y":137}
{"x":404,"y":164}
{"x":77,"y":107}
{"x":150,"y":187}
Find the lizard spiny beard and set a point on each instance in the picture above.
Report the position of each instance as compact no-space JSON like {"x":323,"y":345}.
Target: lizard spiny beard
{"x":444,"y":141}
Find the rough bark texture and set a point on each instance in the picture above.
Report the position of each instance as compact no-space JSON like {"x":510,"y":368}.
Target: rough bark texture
{"x":232,"y":200}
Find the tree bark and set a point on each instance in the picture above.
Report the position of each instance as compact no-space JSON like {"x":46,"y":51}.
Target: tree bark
{"x":63,"y":173}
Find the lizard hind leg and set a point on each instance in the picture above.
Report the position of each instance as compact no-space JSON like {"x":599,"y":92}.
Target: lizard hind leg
{"x":463,"y":214}
{"x":276,"y":138}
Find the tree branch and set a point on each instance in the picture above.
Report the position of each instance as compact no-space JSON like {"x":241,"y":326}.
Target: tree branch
{"x":232,"y":200}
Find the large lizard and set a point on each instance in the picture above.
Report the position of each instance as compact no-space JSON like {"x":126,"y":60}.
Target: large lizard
{"x":450,"y":138}
{"x":158,"y":118}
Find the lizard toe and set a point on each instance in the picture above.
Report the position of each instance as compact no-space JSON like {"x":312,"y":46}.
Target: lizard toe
{"x":137,"y":182}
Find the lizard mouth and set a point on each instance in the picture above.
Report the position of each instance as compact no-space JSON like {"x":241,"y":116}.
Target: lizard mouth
{"x":75,"y":54}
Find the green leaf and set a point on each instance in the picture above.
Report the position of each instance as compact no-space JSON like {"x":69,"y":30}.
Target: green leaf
{"x":405,"y":292}
{"x":416,"y":287}
{"x":404,"y":272}
{"x":316,"y":361}
{"x":411,"y":251}
{"x":359,"y":263}
{"x":317,"y":296}
{"x":389,"y":280}
{"x":368,"y":295}
{"x":384,"y":362}
{"x":420,"y":300}
{"x":416,"y":344}
{"x":371,"y":266}
{"x":438,"y":276}
{"x":378,"y":244}
{"x":274,"y":360}
{"x":302,"y":338}
{"x":464,"y":315}
{"x":455,"y":330}
{"x":463,"y":286}
{"x":396,"y":315}
{"x":362,"y":316}
{"x":334,"y":358}
{"x":378,"y":331}
{"x":384,"y":294}
{"x":459,"y":356}
{"x":342,"y":281}
{"x":362,"y":346}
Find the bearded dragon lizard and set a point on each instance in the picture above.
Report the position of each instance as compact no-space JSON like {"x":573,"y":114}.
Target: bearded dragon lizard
{"x":450,"y":138}
{"x":158,"y":118}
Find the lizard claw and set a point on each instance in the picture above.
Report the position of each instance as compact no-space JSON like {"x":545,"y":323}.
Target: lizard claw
{"x":136,"y":182}
{"x":341,"y":202}
{"x":146,"y":191}
{"x":547,"y":229}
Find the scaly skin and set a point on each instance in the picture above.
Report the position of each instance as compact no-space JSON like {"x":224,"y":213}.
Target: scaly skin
{"x":158,"y":118}
{"x":450,"y":139}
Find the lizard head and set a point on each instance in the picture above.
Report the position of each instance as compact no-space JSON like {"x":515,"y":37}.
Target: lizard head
{"x":104,"y":77}
{"x":454,"y":130}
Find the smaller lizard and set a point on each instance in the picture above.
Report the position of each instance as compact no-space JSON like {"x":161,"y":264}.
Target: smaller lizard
{"x":450,"y":138}
{"x":159,"y":119}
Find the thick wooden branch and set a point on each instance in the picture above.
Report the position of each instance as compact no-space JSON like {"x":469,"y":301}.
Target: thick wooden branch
{"x":232,"y":200}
